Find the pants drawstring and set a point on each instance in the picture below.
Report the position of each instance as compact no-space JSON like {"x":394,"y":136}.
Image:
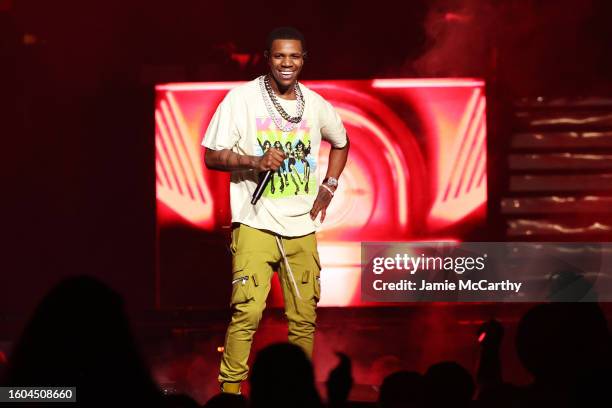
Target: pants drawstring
{"x":288,"y":267}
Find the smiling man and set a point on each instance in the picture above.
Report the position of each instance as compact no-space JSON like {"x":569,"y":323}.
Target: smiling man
{"x":267,"y":124}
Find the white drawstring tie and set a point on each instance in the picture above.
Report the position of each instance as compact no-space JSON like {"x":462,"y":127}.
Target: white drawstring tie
{"x":287,"y":266}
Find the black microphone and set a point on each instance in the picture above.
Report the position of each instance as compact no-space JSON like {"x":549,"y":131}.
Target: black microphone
{"x":264,"y":179}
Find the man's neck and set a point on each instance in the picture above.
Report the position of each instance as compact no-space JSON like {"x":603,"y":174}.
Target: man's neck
{"x":284,"y":93}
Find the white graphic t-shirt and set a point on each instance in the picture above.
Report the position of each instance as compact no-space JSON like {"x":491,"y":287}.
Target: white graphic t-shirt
{"x":242,"y":124}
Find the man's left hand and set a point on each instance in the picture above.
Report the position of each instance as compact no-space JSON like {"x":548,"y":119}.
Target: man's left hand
{"x":321,"y":203}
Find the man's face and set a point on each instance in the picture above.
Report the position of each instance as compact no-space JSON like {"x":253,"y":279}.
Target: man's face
{"x":285,"y":60}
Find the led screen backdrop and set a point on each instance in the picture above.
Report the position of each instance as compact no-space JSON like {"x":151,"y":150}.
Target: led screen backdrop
{"x":416,"y":171}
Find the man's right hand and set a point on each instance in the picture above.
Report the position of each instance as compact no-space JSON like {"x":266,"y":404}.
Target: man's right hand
{"x":271,"y":160}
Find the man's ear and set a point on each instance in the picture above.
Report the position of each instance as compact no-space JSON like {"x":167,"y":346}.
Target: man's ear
{"x":305,"y":55}
{"x":266,"y":55}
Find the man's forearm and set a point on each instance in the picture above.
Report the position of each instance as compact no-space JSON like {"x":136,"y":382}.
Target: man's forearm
{"x":227,"y":160}
{"x":337,"y":161}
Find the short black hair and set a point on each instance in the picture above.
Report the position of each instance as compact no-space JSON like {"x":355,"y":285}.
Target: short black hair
{"x":285,"y":33}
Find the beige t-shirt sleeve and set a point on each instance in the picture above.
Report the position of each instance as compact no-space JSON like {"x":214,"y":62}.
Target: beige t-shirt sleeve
{"x":222,"y":132}
{"x":332,"y":128}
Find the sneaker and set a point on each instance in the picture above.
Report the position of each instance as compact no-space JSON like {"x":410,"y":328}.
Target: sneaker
{"x":230,"y":387}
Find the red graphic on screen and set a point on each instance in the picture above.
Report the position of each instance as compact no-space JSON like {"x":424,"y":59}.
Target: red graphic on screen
{"x":416,"y":171}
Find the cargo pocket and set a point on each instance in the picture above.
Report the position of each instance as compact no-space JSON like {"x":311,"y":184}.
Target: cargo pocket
{"x":311,"y":278}
{"x":242,"y":281}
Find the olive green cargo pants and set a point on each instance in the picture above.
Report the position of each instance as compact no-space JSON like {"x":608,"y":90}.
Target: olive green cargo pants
{"x":256,"y":253}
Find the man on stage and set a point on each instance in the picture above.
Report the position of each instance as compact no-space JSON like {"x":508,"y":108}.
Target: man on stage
{"x":278,"y":231}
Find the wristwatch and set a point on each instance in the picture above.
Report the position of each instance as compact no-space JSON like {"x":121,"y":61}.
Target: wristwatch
{"x":331,"y":182}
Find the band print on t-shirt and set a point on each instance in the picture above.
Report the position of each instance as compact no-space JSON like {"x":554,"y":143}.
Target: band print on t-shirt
{"x":296,"y":175}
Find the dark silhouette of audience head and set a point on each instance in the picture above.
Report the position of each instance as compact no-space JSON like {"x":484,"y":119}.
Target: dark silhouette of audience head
{"x":340,"y":382}
{"x":180,"y":401}
{"x":282,"y":376}
{"x":79,"y":336}
{"x":502,"y":395}
{"x":557,"y":341}
{"x":402,"y":389}
{"x":448,"y":384}
{"x":225,"y":400}
{"x":560,"y":343}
